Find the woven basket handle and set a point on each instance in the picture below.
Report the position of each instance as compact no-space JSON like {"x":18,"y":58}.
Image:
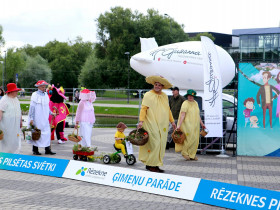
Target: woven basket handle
{"x":77,"y":131}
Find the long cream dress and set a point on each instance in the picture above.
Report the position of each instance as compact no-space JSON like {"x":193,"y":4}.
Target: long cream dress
{"x":156,"y":123}
{"x":190,"y":126}
{"x":41,"y":120}
{"x":10,"y":125}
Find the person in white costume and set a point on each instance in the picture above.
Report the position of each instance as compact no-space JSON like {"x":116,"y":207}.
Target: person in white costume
{"x":85,"y":116}
{"x":38,"y":116}
{"x":10,"y":120}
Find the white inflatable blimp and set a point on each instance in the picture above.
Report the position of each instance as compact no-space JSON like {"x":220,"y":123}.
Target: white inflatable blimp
{"x":180,"y":63}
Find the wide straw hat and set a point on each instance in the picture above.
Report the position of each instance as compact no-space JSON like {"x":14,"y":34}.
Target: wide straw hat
{"x":12,"y":87}
{"x":41,"y":82}
{"x":153,"y":79}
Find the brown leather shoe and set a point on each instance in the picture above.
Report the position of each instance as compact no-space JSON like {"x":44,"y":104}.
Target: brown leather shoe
{"x":195,"y":158}
{"x":160,"y":170}
{"x":152,"y":168}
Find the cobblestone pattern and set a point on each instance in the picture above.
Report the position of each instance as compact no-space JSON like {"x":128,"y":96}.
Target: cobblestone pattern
{"x":28,"y":191}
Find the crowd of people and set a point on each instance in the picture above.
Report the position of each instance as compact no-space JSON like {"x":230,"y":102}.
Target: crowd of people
{"x":158,"y":116}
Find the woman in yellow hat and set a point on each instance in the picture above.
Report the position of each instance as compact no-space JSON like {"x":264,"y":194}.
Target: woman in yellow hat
{"x":189,"y":122}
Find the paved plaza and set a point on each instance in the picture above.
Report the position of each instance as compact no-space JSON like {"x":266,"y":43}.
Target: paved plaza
{"x":28,"y":191}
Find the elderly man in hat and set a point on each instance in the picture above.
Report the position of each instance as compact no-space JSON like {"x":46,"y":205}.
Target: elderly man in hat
{"x":38,"y":116}
{"x":175,"y":103}
{"x":10,"y":120}
{"x":155,"y":116}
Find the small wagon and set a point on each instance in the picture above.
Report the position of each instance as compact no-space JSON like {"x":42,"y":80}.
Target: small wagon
{"x":82,"y":155}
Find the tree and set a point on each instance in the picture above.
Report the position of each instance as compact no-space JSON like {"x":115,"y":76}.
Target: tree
{"x":90,"y":77}
{"x":64,"y":58}
{"x":36,"y":68}
{"x":197,"y":37}
{"x":2,"y":41}
{"x":14,"y":65}
{"x":119,"y":31}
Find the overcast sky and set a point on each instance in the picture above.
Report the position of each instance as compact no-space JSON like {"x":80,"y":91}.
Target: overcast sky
{"x":37,"y":22}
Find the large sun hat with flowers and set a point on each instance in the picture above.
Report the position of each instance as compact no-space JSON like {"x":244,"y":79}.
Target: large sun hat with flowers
{"x":153,"y":79}
{"x":41,"y":82}
{"x":60,"y":91}
{"x":87,"y":95}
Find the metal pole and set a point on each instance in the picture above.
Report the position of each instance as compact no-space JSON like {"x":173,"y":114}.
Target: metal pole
{"x":4,"y":68}
{"x":128,"y":53}
{"x":140,"y":96}
{"x":170,"y":27}
{"x":2,"y":74}
{"x":73,"y":106}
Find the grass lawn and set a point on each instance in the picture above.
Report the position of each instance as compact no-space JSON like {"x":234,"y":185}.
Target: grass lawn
{"x":134,"y":102}
{"x":117,"y":102}
{"x":99,"y":110}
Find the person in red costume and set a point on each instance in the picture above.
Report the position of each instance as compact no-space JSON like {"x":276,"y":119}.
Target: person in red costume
{"x":58,"y":106}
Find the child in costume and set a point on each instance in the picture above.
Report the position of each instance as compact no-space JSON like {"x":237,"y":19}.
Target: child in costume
{"x":119,"y":137}
{"x":58,"y":106}
{"x":85,"y":116}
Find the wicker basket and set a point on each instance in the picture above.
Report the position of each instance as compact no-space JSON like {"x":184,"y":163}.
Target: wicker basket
{"x":73,"y":137}
{"x":178,"y":136}
{"x":1,"y":135}
{"x":36,"y":134}
{"x":204,"y":132}
{"x":138,"y":137}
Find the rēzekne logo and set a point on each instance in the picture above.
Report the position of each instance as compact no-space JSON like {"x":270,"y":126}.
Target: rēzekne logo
{"x":91,"y":172}
{"x":81,"y":171}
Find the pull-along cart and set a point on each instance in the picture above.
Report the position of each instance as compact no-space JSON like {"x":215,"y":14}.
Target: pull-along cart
{"x":82,"y":155}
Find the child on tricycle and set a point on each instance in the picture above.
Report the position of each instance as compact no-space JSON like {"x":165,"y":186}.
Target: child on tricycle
{"x":121,"y":145}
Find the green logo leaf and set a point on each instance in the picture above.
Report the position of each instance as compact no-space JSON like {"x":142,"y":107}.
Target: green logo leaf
{"x":79,"y":171}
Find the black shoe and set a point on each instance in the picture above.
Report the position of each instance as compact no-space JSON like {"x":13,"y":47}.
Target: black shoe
{"x":167,"y":146}
{"x":172,"y":144}
{"x":36,"y":150}
{"x":48,"y":151}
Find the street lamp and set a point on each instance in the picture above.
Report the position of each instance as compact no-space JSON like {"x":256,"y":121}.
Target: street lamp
{"x":170,"y":26}
{"x":128,"y":54}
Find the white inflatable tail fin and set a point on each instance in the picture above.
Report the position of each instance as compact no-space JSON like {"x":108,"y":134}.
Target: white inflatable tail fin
{"x":148,"y":43}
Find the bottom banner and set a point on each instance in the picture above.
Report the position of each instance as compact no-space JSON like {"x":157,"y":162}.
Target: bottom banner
{"x":161,"y":184}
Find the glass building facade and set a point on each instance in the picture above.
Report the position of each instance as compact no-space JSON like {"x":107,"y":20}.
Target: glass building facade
{"x":259,"y":44}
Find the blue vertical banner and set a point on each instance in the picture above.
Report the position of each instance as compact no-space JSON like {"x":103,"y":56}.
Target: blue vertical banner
{"x":258,"y":122}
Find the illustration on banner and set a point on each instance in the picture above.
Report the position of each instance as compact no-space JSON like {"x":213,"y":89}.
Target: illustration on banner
{"x":259,"y":107}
